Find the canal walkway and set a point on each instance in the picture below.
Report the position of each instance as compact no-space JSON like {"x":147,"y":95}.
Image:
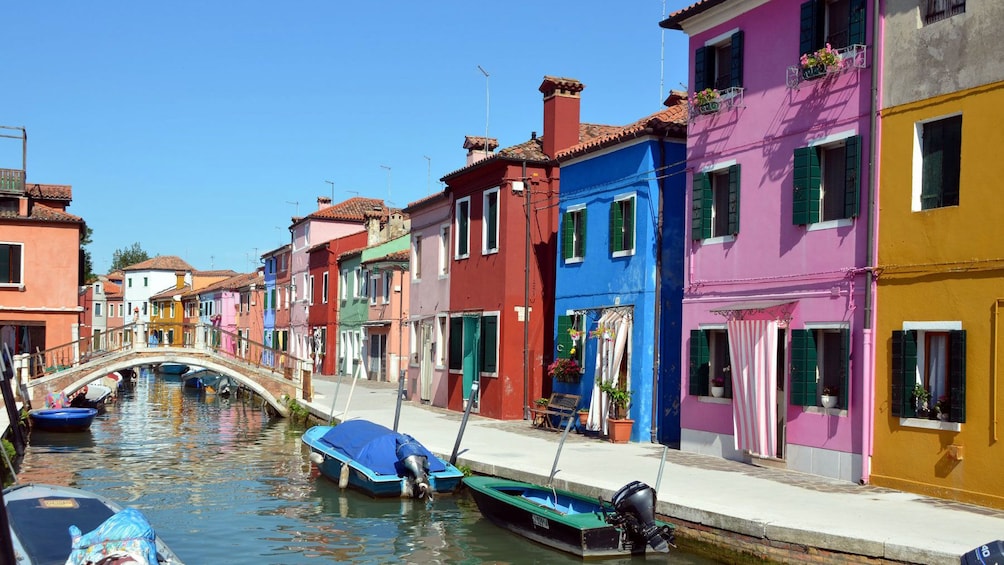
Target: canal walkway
{"x":776,"y":506}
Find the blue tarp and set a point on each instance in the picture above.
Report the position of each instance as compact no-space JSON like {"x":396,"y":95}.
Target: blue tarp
{"x":375,"y":446}
{"x":127,"y":533}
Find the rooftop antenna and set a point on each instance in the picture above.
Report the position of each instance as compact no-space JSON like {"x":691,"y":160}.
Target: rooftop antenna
{"x":297,"y":204}
{"x":487,"y":107}
{"x":332,"y":190}
{"x":662,"y":54}
{"x":386,"y":168}
{"x":428,"y":180}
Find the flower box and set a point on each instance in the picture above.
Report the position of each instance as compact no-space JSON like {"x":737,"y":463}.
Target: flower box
{"x":813,"y":72}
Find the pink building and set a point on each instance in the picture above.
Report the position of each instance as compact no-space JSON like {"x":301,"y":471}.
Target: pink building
{"x":777,"y":300}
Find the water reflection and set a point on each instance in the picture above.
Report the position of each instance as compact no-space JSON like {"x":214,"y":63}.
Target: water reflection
{"x":223,"y":483}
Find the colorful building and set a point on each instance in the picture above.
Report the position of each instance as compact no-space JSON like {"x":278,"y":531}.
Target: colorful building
{"x":619,"y":270}
{"x":353,"y":312}
{"x":385,"y":265}
{"x":776,"y":301}
{"x":940,"y":258}
{"x":323,"y":298}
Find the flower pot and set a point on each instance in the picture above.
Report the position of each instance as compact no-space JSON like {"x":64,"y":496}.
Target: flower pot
{"x":942,"y":416}
{"x":620,"y":430}
{"x":709,"y":107}
{"x":583,"y":419}
{"x":718,"y":391}
{"x":829,"y":401}
{"x":814,"y":72}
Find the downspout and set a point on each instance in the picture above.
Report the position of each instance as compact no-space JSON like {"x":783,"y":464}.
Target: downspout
{"x":993,"y":370}
{"x":657,"y":344}
{"x":870,"y":318}
{"x":526,"y":300}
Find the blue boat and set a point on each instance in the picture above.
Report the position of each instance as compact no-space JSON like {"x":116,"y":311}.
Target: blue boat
{"x":379,"y":461}
{"x":172,"y":368}
{"x":62,"y":419}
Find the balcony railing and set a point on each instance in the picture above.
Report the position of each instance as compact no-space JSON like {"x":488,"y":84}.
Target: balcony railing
{"x":11,"y":181}
{"x":731,"y":97}
{"x":852,"y":58}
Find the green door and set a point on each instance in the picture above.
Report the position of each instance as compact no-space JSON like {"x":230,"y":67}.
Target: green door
{"x":472,"y":347}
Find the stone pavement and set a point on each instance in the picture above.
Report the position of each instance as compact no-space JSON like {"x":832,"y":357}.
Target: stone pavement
{"x":773,"y":505}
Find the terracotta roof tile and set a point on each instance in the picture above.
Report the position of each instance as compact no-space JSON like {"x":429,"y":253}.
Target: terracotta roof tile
{"x":671,"y":120}
{"x":351,"y":210}
{"x":402,"y":256}
{"x":423,"y":202}
{"x":161,"y":263}
{"x":675,"y":19}
{"x":170,"y":292}
{"x":43,"y":213}
{"x":216,"y":273}
{"x":49,"y":191}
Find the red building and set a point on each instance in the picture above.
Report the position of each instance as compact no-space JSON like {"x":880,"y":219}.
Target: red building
{"x":503,"y":230}
{"x":323,"y":298}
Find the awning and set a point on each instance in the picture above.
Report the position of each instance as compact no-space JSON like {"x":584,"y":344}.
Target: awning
{"x":775,"y":309}
{"x":376,"y":323}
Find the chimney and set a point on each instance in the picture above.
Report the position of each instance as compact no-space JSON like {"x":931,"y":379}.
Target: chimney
{"x":479,"y":148}
{"x":323,"y":202}
{"x":561,"y":113}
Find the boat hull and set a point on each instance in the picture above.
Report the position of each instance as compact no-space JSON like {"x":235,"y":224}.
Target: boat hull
{"x":62,"y":419}
{"x":40,"y":516}
{"x":172,"y":368}
{"x":330,"y":462}
{"x":556,"y":518}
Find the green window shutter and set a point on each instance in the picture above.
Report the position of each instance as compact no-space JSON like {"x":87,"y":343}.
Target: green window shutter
{"x":700,"y":66}
{"x":904,"y":371}
{"x":852,"y":176}
{"x":463,"y":234}
{"x":845,"y":356}
{"x":700,"y":362}
{"x":700,"y":220}
{"x":737,"y":59}
{"x":803,"y":368}
{"x":810,"y":30}
{"x":567,"y":233}
{"x":489,"y":338}
{"x":564,"y":340}
{"x":957,"y":376}
{"x":616,"y":227}
{"x":734,"y":200}
{"x":951,"y":164}
{"x":805,"y":198}
{"x":628,"y":206}
{"x":493,"y":220}
{"x":580,"y":227}
{"x":856,"y":25}
{"x":456,"y":343}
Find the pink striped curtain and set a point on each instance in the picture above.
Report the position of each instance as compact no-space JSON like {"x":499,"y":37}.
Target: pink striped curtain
{"x":753,"y":354}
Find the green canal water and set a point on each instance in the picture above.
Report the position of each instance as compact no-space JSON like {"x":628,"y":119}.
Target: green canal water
{"x":224,"y":484}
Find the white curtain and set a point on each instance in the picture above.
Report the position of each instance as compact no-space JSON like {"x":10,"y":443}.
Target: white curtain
{"x":936,"y":364}
{"x":610,"y":350}
{"x":753,"y":353}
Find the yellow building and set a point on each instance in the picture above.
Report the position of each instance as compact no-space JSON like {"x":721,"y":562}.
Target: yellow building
{"x":940,"y":262}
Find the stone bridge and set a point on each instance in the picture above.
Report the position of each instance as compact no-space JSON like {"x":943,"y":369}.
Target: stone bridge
{"x":273,"y":375}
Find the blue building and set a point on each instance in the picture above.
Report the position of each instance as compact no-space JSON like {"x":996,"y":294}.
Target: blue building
{"x":273,"y":260}
{"x":619,"y":270}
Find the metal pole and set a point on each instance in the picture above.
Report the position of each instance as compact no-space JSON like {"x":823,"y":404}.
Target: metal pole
{"x":526,"y":300}
{"x":564,"y":435}
{"x":400,"y":347}
{"x":463,"y":423}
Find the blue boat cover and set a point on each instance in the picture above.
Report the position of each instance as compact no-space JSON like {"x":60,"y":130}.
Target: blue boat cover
{"x":125,"y":534}
{"x":376,"y":447}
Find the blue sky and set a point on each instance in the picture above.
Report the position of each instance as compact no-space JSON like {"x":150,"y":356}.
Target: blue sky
{"x":199,"y":129}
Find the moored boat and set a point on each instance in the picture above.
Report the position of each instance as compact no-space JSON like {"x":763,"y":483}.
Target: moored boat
{"x":51,"y":524}
{"x":92,"y":396}
{"x":62,"y":419}
{"x":379,"y":461}
{"x":172,"y":368}
{"x":573,"y":523}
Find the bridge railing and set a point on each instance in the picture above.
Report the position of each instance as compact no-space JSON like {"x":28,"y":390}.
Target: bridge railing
{"x":68,"y":355}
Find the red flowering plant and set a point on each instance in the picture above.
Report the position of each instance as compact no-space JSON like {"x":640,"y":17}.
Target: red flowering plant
{"x":564,"y":369}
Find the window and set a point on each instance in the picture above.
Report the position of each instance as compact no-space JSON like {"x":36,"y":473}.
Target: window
{"x":571,"y":337}
{"x":573,"y":234}
{"x":710,"y":362}
{"x":374,"y":287}
{"x":310,"y":289}
{"x":388,"y":278}
{"x":930,"y":355}
{"x":715,"y":206}
{"x":439,"y":345}
{"x":622,"y":222}
{"x":97,"y":309}
{"x":343,"y":279}
{"x":324,"y":288}
{"x":129,"y":282}
{"x":486,"y":332}
{"x":488,"y":355}
{"x":172,"y":310}
{"x":416,"y":257}
{"x":490,"y":225}
{"x":462,"y":221}
{"x":10,"y":263}
{"x":939,"y":145}
{"x":820,"y":359}
{"x":826,"y":181}
{"x":444,"y":250}
{"x":837,"y":23}
{"x":361,"y":283}
{"x":937,"y":10}
{"x":146,"y":282}
{"x":144,"y":308}
{"x":156,"y":309}
{"x":719,"y":64}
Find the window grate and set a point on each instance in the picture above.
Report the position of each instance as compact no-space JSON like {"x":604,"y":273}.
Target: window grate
{"x":938,"y":10}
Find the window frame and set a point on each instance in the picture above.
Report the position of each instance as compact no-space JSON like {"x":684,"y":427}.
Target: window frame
{"x":949,"y":8}
{"x":490,"y":221}
{"x":618,"y":247}
{"x":15,"y":264}
{"x":920,"y":166}
{"x":705,"y":349}
{"x":810,"y":363}
{"x":814,"y":25}
{"x":444,"y":250}
{"x":462,"y":226}
{"x":442,"y":331}
{"x":908,"y":369}
{"x":703,"y":202}
{"x":416,"y":257}
{"x":324,"y":287}
{"x":707,"y":61}
{"x":573,"y":234}
{"x":809,"y":186}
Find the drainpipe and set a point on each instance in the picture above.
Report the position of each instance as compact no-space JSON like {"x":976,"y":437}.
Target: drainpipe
{"x":868,"y":368}
{"x":993,"y":370}
{"x":526,"y":300}
{"x":657,"y":335}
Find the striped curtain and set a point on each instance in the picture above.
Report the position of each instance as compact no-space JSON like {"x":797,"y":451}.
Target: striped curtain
{"x":753,"y":353}
{"x":610,"y":351}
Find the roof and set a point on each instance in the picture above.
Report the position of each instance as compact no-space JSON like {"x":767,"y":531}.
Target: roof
{"x":423,"y":202}
{"x":171,"y":292}
{"x":669,"y":121}
{"x":49,"y":191}
{"x":278,"y":250}
{"x":216,"y":273}
{"x":402,"y":256}
{"x":236,"y":282}
{"x":161,"y":263}
{"x":675,"y":19}
{"x":42,"y":213}
{"x":352,"y":210}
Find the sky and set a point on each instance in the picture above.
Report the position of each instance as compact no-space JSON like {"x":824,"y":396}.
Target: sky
{"x":200,"y":129}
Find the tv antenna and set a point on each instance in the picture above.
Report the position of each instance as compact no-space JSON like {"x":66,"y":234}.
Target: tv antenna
{"x":386,"y":168}
{"x":297,"y":204}
{"x":332,"y":190}
{"x":428,"y":181}
{"x":487,"y":107}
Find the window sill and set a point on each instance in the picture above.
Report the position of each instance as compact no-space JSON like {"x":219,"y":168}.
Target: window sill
{"x":842,"y":412}
{"x":489,"y":251}
{"x":718,"y":239}
{"x":830,"y":224}
{"x":623,"y":253}
{"x":926,"y":424}
{"x":574,"y":260}
{"x":714,"y":400}
{"x":460,"y":257}
{"x":12,"y":286}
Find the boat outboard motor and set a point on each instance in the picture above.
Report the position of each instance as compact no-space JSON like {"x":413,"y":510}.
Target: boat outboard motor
{"x":986,"y":554}
{"x":634,"y":504}
{"x":416,"y":463}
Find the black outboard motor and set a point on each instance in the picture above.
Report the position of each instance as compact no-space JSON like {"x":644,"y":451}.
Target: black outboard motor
{"x":635,"y":509}
{"x":415,"y":463}
{"x":987,"y":554}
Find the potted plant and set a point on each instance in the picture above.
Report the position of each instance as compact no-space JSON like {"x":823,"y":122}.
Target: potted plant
{"x":618,"y":423}
{"x":583,"y":417}
{"x":818,"y":63}
{"x":707,"y":101}
{"x":830,"y":396}
{"x":539,"y":404}
{"x":942,"y":407}
{"x":718,"y":387}
{"x":920,"y":399}
{"x":564,"y":370}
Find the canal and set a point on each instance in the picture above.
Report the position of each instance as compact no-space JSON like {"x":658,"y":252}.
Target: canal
{"x":223,"y":483}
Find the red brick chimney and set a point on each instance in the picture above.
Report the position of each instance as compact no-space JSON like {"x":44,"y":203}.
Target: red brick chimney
{"x":561,"y":113}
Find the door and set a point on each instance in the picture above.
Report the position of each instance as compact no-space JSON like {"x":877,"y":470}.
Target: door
{"x":425,"y":361}
{"x":378,"y":351}
{"x":472,"y":363}
{"x":782,"y":398}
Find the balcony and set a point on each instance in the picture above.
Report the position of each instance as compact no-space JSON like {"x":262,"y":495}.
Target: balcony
{"x":851,"y":58}
{"x":11,"y":182}
{"x":727,"y":98}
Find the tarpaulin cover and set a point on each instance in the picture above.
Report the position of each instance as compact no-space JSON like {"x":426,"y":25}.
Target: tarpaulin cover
{"x":375,"y":446}
{"x":126,"y":533}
